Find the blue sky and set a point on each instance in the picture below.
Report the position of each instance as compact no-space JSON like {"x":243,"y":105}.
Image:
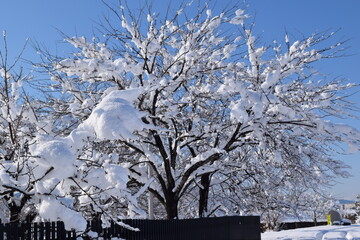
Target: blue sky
{"x":39,"y":19}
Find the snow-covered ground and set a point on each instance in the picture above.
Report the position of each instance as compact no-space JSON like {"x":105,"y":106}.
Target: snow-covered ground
{"x":316,"y":233}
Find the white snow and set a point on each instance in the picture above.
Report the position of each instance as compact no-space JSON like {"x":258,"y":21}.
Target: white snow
{"x":351,"y":232}
{"x":57,"y":154}
{"x":239,"y":17}
{"x":51,"y":210}
{"x":115,"y":110}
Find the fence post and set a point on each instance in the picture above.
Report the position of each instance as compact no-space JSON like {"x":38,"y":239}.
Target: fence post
{"x":35,"y":230}
{"x":28,"y":227}
{"x":53,"y":230}
{"x":21,"y":228}
{"x":41,"y":231}
{"x":60,"y":229}
{"x":47,"y":230}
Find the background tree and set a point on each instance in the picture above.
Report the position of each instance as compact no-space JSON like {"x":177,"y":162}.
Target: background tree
{"x":357,"y":207}
{"x":42,"y":173}
{"x":17,"y":130}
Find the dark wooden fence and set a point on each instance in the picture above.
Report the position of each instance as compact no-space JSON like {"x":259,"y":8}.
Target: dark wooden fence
{"x":35,"y":231}
{"x":222,"y":228}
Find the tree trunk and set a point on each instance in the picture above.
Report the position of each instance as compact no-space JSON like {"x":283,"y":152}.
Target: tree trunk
{"x":16,"y":208}
{"x":204,"y":194}
{"x":14,"y":212}
{"x":171,"y":205}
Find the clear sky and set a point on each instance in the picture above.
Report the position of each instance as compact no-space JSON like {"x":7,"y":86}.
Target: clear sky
{"x":39,"y":19}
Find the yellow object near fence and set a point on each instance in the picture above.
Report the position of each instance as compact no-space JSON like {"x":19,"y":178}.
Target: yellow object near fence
{"x":329,"y":219}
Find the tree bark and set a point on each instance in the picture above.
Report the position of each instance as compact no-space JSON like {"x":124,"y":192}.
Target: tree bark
{"x":204,"y":194}
{"x":171,"y":205}
{"x":14,"y":212}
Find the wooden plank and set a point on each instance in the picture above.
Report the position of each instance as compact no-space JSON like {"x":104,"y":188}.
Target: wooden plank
{"x":41,"y":231}
{"x":28,"y":230}
{"x":35,"y":231}
{"x":47,"y":231}
{"x":60,"y":229}
{"x":53,"y":230}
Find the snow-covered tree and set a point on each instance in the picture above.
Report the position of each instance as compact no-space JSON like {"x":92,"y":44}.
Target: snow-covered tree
{"x":42,"y":174}
{"x":357,"y":209}
{"x":223,"y":125}
{"x":357,"y":205}
{"x":17,"y":131}
{"x":25,"y":182}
